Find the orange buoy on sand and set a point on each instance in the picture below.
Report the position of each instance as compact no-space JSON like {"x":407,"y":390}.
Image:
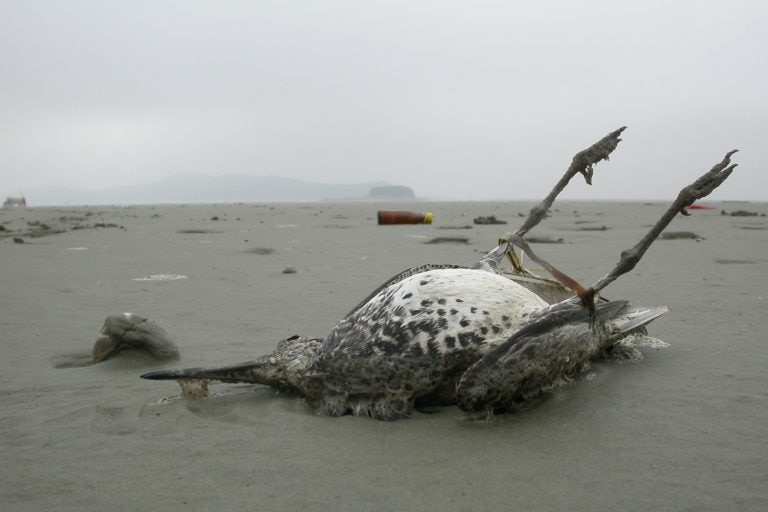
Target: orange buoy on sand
{"x":403,"y":217}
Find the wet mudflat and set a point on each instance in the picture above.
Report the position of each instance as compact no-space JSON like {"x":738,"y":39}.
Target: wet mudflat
{"x":682,"y":429}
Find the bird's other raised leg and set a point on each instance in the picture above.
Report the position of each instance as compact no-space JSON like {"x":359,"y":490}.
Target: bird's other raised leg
{"x":700,"y":188}
{"x":554,"y":343}
{"x":583,"y":163}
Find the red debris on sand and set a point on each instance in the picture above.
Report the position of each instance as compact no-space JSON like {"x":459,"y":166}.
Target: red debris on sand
{"x":698,"y":206}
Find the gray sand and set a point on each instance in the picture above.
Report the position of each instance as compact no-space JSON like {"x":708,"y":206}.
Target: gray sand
{"x":686,"y":428}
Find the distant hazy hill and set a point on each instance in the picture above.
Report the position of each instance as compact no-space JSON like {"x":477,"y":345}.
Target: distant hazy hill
{"x":200,"y":188}
{"x":392,"y":192}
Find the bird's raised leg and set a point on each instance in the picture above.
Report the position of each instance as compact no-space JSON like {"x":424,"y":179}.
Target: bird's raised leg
{"x":583,"y":163}
{"x":561,"y":338}
{"x":700,"y":188}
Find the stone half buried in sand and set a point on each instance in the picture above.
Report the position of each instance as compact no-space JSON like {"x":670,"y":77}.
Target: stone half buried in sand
{"x":489,"y":219}
{"x":680,"y":235}
{"x":129,"y":331}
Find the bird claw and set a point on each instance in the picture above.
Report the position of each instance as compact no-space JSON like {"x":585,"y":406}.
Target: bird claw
{"x":588,"y":172}
{"x":706,"y":184}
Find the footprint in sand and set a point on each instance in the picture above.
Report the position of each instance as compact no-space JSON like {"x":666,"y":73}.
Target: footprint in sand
{"x":241,"y":406}
{"x":152,"y":419}
{"x":162,"y":416}
{"x":244,"y":405}
{"x":115,"y":421}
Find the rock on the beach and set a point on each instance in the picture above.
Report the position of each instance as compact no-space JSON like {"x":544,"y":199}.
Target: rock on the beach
{"x":543,"y":240}
{"x":490,"y":219}
{"x":680,"y":235}
{"x":448,"y":240}
{"x":260,"y":250}
{"x":129,"y":331}
{"x":741,"y":213}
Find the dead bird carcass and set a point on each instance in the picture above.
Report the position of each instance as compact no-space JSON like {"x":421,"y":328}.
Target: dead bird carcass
{"x":470,"y":336}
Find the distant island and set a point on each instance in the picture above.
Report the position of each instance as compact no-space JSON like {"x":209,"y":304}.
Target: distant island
{"x":231,"y":188}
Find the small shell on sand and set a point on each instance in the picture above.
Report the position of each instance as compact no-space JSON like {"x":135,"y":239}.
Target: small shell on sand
{"x":160,"y":277}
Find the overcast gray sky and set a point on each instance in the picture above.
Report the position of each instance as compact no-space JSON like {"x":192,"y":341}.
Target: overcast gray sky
{"x":459,"y":100}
